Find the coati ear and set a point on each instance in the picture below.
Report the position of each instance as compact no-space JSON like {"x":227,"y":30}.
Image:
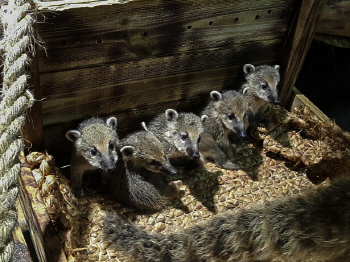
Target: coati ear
{"x":203,"y":118}
{"x":171,"y":115}
{"x":143,"y":124}
{"x":248,"y":68}
{"x":127,"y":150}
{"x":215,"y":95}
{"x":112,"y":122}
{"x":245,"y":90}
{"x":277,"y":67}
{"x":73,"y":135}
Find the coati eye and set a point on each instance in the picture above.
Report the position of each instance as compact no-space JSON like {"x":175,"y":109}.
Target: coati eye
{"x":184,"y":136}
{"x":231,"y":117}
{"x":93,"y":151}
{"x":111,"y":146}
{"x":264,"y":85}
{"x":199,"y":139}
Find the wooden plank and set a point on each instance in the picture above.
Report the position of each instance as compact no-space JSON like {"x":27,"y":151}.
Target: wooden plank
{"x":114,"y":74}
{"x":335,"y":19}
{"x":193,"y":95}
{"x":149,"y":14}
{"x":21,"y":252}
{"x":33,"y":128}
{"x":299,"y":98}
{"x":47,"y":245}
{"x":102,"y":90}
{"x":63,"y":5}
{"x":297,"y":46}
{"x":138,"y":42}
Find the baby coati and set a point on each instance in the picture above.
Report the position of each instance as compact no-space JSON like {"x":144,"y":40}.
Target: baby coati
{"x":228,"y":115}
{"x":260,"y":86}
{"x":139,"y":179}
{"x":95,"y":147}
{"x":314,"y":225}
{"x":179,"y":134}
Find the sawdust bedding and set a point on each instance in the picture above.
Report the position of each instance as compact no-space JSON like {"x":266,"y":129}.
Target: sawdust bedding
{"x":296,"y":152}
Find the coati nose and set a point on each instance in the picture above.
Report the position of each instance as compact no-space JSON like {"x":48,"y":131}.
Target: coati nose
{"x":168,"y":169}
{"x":243,"y":134}
{"x":277,"y":101}
{"x":110,"y":165}
{"x":189,"y":151}
{"x":271,"y":99}
{"x":195,"y":155}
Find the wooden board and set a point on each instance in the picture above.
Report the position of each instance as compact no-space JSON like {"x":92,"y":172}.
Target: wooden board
{"x":135,"y":41}
{"x":335,"y":18}
{"x":21,"y":252}
{"x":299,"y":98}
{"x":137,"y":59}
{"x":297,"y":46}
{"x":47,"y":245}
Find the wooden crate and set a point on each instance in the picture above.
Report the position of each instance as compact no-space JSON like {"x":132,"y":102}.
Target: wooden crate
{"x":45,"y":239}
{"x":134,"y":59}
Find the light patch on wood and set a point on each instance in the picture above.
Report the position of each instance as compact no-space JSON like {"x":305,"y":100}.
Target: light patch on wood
{"x":64,"y":5}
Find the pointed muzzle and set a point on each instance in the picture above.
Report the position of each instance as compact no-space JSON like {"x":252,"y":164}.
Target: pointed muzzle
{"x":168,"y":169}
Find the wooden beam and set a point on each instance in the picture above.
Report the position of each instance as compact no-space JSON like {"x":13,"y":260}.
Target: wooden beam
{"x":297,"y":46}
{"x":302,"y":99}
{"x":33,"y":128}
{"x":335,"y":19}
{"x":21,"y":252}
{"x":63,"y":5}
{"x":47,"y":245}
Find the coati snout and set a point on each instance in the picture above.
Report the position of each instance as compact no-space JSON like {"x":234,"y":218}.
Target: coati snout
{"x":145,"y":150}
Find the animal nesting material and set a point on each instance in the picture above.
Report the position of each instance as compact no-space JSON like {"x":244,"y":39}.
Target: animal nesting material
{"x":296,"y":146}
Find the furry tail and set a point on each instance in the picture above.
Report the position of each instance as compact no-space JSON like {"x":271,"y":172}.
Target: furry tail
{"x":313,"y":225}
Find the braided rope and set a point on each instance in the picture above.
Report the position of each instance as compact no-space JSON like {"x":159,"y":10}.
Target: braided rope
{"x":17,"y":20}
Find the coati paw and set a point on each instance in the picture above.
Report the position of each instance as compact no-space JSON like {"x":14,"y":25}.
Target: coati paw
{"x":230,"y":166}
{"x":174,"y":189}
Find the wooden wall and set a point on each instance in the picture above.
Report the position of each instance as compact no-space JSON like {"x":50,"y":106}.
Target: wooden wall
{"x":335,"y":18}
{"x":138,"y":59}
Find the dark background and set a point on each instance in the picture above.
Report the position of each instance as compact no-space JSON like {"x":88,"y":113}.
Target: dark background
{"x":325,"y":80}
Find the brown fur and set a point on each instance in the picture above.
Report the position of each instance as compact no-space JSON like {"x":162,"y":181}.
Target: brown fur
{"x":180,"y":134}
{"x":314,"y":225}
{"x":95,"y":148}
{"x":261,"y":85}
{"x":227,"y":115}
{"x":139,"y":180}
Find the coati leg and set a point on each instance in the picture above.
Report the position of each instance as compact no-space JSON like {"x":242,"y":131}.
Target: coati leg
{"x":209,"y":149}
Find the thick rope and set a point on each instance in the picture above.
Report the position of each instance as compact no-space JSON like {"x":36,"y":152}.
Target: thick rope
{"x":15,"y":99}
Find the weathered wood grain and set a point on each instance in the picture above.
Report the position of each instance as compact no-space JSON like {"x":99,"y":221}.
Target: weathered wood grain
{"x":335,"y":19}
{"x":297,"y":46}
{"x":189,"y":96}
{"x":177,"y":64}
{"x":300,"y":98}
{"x":47,"y":245}
{"x":136,"y":42}
{"x":21,"y":252}
{"x":33,"y":129}
{"x":104,"y":93}
{"x":59,"y":5}
{"x":89,"y":91}
{"x":149,"y":14}
{"x":137,"y":59}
